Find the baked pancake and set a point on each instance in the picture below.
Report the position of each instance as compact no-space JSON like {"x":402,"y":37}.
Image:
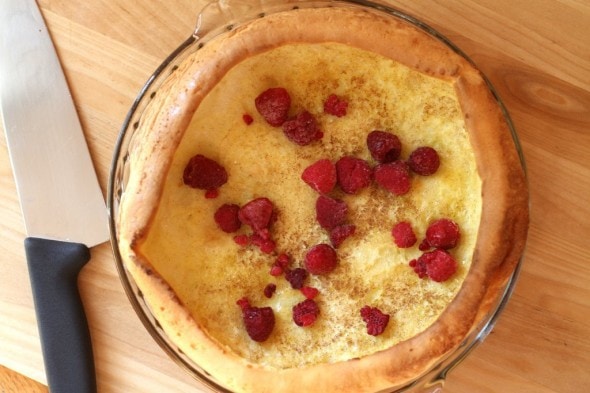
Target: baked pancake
{"x":226,"y":198}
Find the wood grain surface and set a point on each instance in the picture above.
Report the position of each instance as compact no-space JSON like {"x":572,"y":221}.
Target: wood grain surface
{"x":536,"y":53}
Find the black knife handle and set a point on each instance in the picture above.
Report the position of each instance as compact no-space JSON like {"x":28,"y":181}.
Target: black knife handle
{"x":65,"y":338}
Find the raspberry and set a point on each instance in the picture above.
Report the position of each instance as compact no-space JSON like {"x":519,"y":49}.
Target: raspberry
{"x":340,"y":233}
{"x":212,"y":194}
{"x":384,"y":146}
{"x":258,"y":214}
{"x":227,"y":219}
{"x":353,"y":174}
{"x":305,"y":313}
{"x":321,"y":259}
{"x":403,"y":235}
{"x":424,"y":161}
{"x":204,"y":173}
{"x":265,"y":244}
{"x":283,"y":261}
{"x":276,"y":270}
{"x":394,"y":177}
{"x":242,"y":240}
{"x":419,"y":267}
{"x":296,"y":277}
{"x":335,"y":105}
{"x":443,"y":233}
{"x":330,"y":212}
{"x":321,"y":176}
{"x":269,"y":290}
{"x":280,"y":265}
{"x":273,"y":104}
{"x":243,"y":303}
{"x":247,"y":119}
{"x":438,"y":265}
{"x":376,"y":320}
{"x":264,"y":233}
{"x":310,"y":292}
{"x":302,"y":129}
{"x":424,"y":246}
{"x":259,"y":321}
{"x":442,"y":266}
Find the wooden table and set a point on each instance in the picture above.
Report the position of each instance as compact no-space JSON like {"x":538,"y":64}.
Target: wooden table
{"x":536,"y":52}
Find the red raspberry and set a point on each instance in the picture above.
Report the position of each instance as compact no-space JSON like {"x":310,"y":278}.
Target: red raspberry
{"x":276,"y":270}
{"x":296,"y":277}
{"x":442,"y":266}
{"x":424,"y":246}
{"x":305,"y":313}
{"x":264,"y":233}
{"x":310,"y":292}
{"x":330,"y":212}
{"x":403,"y":235}
{"x":265,"y":244}
{"x":384,"y":146}
{"x":247,"y":119}
{"x":376,"y":320}
{"x":204,"y":173}
{"x":443,"y":233}
{"x":280,"y":265}
{"x":259,"y":321}
{"x":424,"y":161}
{"x":321,"y":259}
{"x":321,"y":176}
{"x":258,"y":214}
{"x":273,"y":104}
{"x":353,"y":174}
{"x":438,"y":265}
{"x":394,"y":177}
{"x":419,"y":267}
{"x":244,"y":303}
{"x":283,"y":260}
{"x":335,"y":105}
{"x":302,"y":129}
{"x":242,"y":240}
{"x":269,"y":290}
{"x":212,"y":194}
{"x":340,"y":233}
{"x":227,"y":219}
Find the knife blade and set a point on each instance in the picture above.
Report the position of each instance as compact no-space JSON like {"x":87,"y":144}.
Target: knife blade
{"x":60,"y":197}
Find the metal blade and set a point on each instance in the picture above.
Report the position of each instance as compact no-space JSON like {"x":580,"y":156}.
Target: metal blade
{"x":59,"y":194}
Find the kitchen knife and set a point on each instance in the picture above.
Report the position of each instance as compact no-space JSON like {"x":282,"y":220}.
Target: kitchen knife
{"x":61,"y":200}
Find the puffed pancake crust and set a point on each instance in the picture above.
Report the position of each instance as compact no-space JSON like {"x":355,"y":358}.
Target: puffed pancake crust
{"x":394,"y":77}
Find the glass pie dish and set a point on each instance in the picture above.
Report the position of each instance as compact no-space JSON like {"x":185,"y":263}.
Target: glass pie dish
{"x":223,"y":17}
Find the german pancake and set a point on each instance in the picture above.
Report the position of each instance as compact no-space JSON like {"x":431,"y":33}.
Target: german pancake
{"x":257,"y":149}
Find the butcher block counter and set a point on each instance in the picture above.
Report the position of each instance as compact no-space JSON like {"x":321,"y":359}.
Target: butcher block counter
{"x":535,"y":52}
